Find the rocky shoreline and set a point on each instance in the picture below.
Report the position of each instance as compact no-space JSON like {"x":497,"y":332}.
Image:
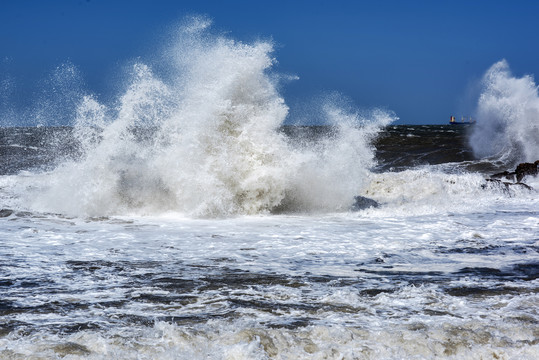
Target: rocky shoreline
{"x":514,"y":178}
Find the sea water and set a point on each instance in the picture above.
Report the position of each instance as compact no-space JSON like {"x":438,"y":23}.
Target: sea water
{"x":184,"y":221}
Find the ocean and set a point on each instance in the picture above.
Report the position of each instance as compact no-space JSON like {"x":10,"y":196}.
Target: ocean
{"x":193,"y":219}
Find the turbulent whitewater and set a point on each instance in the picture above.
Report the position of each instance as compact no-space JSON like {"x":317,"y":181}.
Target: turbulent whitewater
{"x":192,"y":217}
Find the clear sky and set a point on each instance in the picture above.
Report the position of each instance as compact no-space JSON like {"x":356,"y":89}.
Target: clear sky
{"x":417,"y":58}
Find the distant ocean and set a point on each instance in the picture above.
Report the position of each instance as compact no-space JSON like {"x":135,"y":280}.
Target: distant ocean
{"x":186,"y":222}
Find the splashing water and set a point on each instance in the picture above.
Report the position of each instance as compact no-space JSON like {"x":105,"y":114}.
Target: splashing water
{"x":508,"y":117}
{"x":208,"y":143}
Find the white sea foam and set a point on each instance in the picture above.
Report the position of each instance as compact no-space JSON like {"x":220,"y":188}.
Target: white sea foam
{"x":427,"y":191}
{"x":507,"y":125}
{"x":384,"y":283}
{"x":106,"y":272}
{"x":237,"y":341}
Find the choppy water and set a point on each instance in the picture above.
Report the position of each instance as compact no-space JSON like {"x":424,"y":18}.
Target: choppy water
{"x":186,"y":222}
{"x":444,"y":268}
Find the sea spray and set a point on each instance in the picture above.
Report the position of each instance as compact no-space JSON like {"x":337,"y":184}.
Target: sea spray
{"x":206,"y":142}
{"x":335,"y":169}
{"x":59,"y":94}
{"x":507,"y":127}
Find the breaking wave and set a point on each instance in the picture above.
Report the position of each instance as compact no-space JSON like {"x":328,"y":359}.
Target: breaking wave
{"x":508,"y":117}
{"x":206,"y":141}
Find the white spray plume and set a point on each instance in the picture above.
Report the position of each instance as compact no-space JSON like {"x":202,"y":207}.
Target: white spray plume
{"x":507,"y":127}
{"x":207,"y":142}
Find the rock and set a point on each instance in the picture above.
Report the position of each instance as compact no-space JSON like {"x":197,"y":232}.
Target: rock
{"x":5,"y":213}
{"x":526,"y":169}
{"x":361,"y":202}
{"x":515,"y":177}
{"x":504,"y":175}
{"x":508,"y":184}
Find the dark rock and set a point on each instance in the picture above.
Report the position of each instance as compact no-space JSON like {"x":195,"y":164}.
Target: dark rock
{"x":515,"y":177}
{"x":5,"y":213}
{"x":526,"y":169}
{"x":504,"y":175}
{"x":508,"y":184}
{"x":361,"y":202}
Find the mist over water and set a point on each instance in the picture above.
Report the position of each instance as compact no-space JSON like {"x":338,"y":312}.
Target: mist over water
{"x":205,"y":141}
{"x":507,"y":127}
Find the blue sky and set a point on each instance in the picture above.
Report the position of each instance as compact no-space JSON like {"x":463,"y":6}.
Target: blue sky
{"x":417,"y":58}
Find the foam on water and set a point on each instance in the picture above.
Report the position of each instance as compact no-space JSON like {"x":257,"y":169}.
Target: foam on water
{"x":167,"y":341}
{"x":427,"y":191}
{"x":340,"y":286}
{"x":211,"y":144}
{"x":507,"y":125}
